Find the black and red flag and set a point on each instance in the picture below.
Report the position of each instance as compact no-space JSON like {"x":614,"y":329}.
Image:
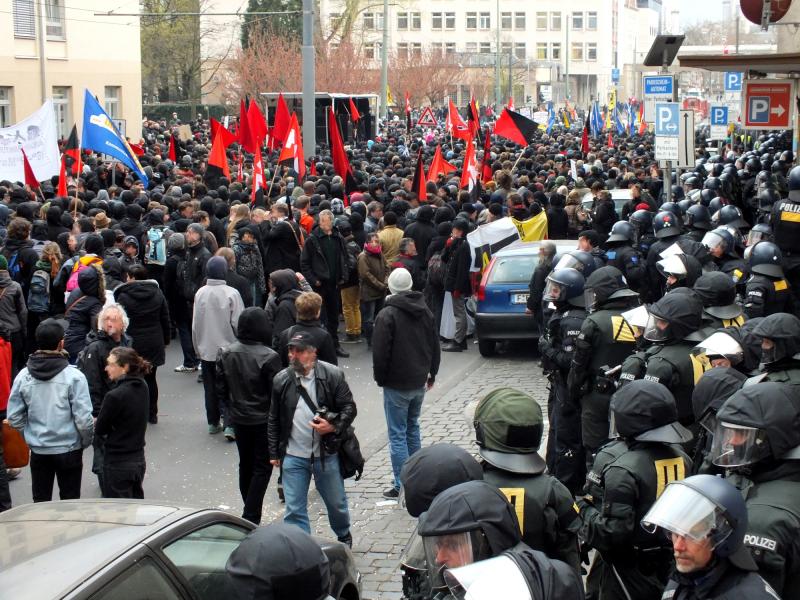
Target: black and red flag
{"x":418,"y":185}
{"x":474,"y":121}
{"x":341,"y":164}
{"x":513,"y":126}
{"x":73,"y":150}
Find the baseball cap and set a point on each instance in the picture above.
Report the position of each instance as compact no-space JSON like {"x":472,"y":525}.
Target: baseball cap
{"x":301,"y":339}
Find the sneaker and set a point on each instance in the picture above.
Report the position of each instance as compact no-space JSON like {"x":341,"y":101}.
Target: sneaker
{"x":229,"y":434}
{"x":13,"y":473}
{"x":212,"y":429}
{"x":185,"y":369}
{"x":347,"y":539}
{"x":392,"y":493}
{"x":352,"y":338}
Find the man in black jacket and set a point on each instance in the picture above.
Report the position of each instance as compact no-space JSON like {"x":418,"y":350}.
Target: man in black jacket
{"x":297,"y":434}
{"x":281,"y":240}
{"x":604,"y":214}
{"x":422,"y":231}
{"x":191,"y":274}
{"x":309,"y":307}
{"x":456,"y":256}
{"x":405,"y":361}
{"x":324,"y":265}
{"x":245,"y":371}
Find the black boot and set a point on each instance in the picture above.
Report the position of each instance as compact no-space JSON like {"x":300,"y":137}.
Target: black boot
{"x":453,"y":347}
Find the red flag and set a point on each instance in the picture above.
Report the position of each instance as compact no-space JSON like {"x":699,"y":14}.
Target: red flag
{"x":469,"y":170}
{"x":30,"y":177}
{"x":217,"y":157}
{"x":511,"y":103}
{"x":62,"y":178}
{"x":610,"y":142}
{"x":256,"y":124}
{"x":258,"y":173}
{"x":439,"y":165}
{"x":354,"y":114}
{"x":455,"y":124}
{"x":418,"y":184}
{"x":585,"y":137}
{"x":281,"y":125}
{"x":172,"y":154}
{"x":240,"y":167}
{"x":341,"y":164}
{"x":292,"y":153}
{"x":245,"y":138}
{"x":472,"y":117}
{"x":137,"y":149}
{"x":313,"y":170}
{"x":73,"y":150}
{"x":642,"y":122}
{"x":228,"y":138}
{"x":486,"y":166}
{"x":515,"y":127}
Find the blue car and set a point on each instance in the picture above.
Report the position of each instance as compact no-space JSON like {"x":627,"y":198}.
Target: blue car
{"x":503,"y":295}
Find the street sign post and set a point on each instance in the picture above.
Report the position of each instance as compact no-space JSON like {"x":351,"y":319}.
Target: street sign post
{"x":719,"y":118}
{"x":614,"y":75}
{"x":733,"y":81}
{"x":686,"y":139}
{"x":768,"y":104}
{"x":667,"y":127}
{"x":657,"y":88}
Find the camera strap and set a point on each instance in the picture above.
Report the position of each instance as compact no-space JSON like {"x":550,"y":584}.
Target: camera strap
{"x":313,"y":407}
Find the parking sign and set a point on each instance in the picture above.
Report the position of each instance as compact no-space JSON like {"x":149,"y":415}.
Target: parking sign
{"x":768,"y":104}
{"x":733,"y":81}
{"x":718,"y":117}
{"x":667,"y":119}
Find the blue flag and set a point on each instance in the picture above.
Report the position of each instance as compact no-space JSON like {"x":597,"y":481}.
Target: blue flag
{"x":101,"y":135}
{"x":596,"y":120}
{"x":551,"y":118}
{"x":631,"y":119}
{"x":620,"y":126}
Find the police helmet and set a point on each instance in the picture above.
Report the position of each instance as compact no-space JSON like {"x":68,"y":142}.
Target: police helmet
{"x":677,"y":192}
{"x":698,"y":217}
{"x":720,"y":238}
{"x":761,"y":232}
{"x":752,"y":165}
{"x":645,"y":410}
{"x":783,"y":330}
{"x":666,"y":225}
{"x":717,"y":292}
{"x":642,"y":221}
{"x":606,"y":283}
{"x":693,"y":182}
{"x":712,"y":183}
{"x":765,"y":258}
{"x":674,"y":317}
{"x":706,"y":196}
{"x":767,"y":198}
{"x":622,"y":231}
{"x":582,"y":261}
{"x":732,"y":216}
{"x":671,"y":207}
{"x":565,"y":285}
{"x":794,"y":184}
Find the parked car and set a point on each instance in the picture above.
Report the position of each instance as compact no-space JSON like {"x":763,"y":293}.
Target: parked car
{"x":132,"y":550}
{"x":503,"y":294}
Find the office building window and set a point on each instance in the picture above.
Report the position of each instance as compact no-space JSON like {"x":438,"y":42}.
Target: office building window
{"x":24,"y":18}
{"x":577,"y":21}
{"x":450,"y":48}
{"x":472,"y":47}
{"x":402,"y":50}
{"x":373,"y":20}
{"x":112,"y":101}
{"x":541,"y":51}
{"x":520,"y":50}
{"x":486,"y":47}
{"x":519,"y":20}
{"x":416,"y":21}
{"x":416,"y":49}
{"x":541,"y":21}
{"x":591,"y":21}
{"x":402,"y":21}
{"x":437,"y":48}
{"x":472,"y":20}
{"x":436,"y":21}
{"x":555,"y":51}
{"x":5,"y":106}
{"x":61,"y":104}
{"x":555,"y":21}
{"x":591,"y":51}
{"x":505,"y":21}
{"x":450,"y":21}
{"x":485,"y":20}
{"x":576,"y":52}
{"x":54,"y":11}
{"x":371,"y":50}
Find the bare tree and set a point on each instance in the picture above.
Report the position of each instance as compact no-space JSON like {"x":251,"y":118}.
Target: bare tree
{"x":425,"y":75}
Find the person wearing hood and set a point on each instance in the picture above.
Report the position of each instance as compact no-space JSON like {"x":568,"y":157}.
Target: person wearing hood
{"x":82,"y":307}
{"x":706,"y":520}
{"x":123,"y":422}
{"x":130,"y":253}
{"x":780,"y":349}
{"x":13,"y":316}
{"x":249,"y":263}
{"x":757,"y":442}
{"x":281,"y":308}
{"x":50,"y":404}
{"x":217,"y":307}
{"x":244,"y":373}
{"x":373,"y":273}
{"x":422,"y":231}
{"x":405,"y":362}
{"x":631,"y":562}
{"x":54,"y":225}
{"x":281,"y":239}
{"x":680,"y":270}
{"x":148,"y":312}
{"x":717,"y":291}
{"x":19,"y":253}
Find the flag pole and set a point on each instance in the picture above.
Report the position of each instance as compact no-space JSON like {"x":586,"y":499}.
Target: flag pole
{"x":518,"y":159}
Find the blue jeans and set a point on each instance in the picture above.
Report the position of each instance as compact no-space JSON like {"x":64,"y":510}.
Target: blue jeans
{"x":328,"y":480}
{"x":402,"y":408}
{"x":369,"y":309}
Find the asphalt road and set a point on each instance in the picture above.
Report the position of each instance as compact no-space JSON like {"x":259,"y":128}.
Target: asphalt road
{"x":188,"y":466}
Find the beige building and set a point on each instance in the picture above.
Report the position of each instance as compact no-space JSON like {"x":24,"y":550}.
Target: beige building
{"x":80,"y":51}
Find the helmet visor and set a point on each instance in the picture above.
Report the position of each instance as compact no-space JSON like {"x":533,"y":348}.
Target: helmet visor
{"x":612,"y":426}
{"x":688,"y":513}
{"x":738,"y":445}
{"x":497,"y":577}
{"x":672,"y":266}
{"x":656,"y":330}
{"x":713,"y":240}
{"x":554,"y":292}
{"x":450,"y":551}
{"x":754,"y":236}
{"x":720,"y":344}
{"x":569,"y":262}
{"x":636,"y":317}
{"x":589,"y":299}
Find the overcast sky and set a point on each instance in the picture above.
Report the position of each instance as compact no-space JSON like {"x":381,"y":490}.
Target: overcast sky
{"x":692,"y":11}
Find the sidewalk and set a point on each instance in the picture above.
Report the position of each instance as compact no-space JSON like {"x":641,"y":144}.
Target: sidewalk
{"x":380,"y":527}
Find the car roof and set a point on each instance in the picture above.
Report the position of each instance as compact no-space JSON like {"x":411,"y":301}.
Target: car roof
{"x":70,"y":540}
{"x":520,"y":248}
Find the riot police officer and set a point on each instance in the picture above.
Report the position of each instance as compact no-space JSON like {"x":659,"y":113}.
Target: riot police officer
{"x":642,"y":221}
{"x":780,"y":349}
{"x":621,"y":254}
{"x":721,"y":244}
{"x":604,"y":342}
{"x":680,"y":270}
{"x":706,"y":520}
{"x":667,"y":229}
{"x":785,"y":222}
{"x":717,"y":292}
{"x":758,"y":440}
{"x":698,"y":221}
{"x":508,"y":429}
{"x":631,"y":562}
{"x":767,"y":291}
{"x":557,"y":346}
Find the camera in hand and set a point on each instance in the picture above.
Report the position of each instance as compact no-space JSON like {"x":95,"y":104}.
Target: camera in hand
{"x":324,"y":413}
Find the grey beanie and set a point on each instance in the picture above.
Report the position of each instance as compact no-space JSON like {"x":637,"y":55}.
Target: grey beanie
{"x":216,"y":268}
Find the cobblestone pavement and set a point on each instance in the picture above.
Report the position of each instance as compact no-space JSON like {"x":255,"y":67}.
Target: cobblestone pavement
{"x":380,"y":527}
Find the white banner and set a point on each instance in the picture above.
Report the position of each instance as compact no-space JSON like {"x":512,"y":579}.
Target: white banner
{"x":488,"y":239}
{"x":38,"y":136}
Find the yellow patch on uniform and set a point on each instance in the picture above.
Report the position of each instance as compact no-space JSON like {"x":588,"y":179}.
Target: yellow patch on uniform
{"x":667,"y":471}
{"x":737,"y":322}
{"x":700,"y":364}
{"x":516,"y":497}
{"x":738,"y":274}
{"x":781,"y":285}
{"x":575,"y":507}
{"x":790,"y":216}
{"x":621,"y":330}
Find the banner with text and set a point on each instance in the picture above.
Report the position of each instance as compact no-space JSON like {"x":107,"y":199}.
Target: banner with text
{"x":38,"y":136}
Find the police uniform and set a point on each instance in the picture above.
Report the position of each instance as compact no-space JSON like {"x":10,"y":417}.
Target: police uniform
{"x":627,"y":260}
{"x":785,"y":222}
{"x":766,"y":295}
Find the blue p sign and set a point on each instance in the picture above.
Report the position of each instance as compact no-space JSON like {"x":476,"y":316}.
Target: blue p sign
{"x":719,"y":115}
{"x":758,"y":109}
{"x":733,"y":81}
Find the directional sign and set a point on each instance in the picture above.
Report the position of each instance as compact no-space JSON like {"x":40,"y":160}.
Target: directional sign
{"x":768,"y":104}
{"x":667,"y":119}
{"x":614,"y":75}
{"x":657,"y":88}
{"x":686,"y":139}
{"x":733,"y":81}
{"x":718,"y":116}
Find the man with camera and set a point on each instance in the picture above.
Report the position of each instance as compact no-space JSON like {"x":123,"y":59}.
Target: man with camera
{"x":311,"y":409}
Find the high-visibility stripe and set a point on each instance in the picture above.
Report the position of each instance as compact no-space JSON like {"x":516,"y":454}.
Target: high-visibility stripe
{"x":790,"y":216}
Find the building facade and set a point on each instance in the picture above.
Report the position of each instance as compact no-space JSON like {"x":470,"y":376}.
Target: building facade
{"x":81,"y":51}
{"x":553,"y":47}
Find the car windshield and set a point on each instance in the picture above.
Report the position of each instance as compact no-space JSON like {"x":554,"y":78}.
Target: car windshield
{"x":513,"y":269}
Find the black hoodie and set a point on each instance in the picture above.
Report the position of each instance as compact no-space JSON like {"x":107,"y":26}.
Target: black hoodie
{"x":405,"y":343}
{"x":147,"y":310}
{"x":44,"y":365}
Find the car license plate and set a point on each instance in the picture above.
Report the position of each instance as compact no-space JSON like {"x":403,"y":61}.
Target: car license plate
{"x":519,"y":298}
